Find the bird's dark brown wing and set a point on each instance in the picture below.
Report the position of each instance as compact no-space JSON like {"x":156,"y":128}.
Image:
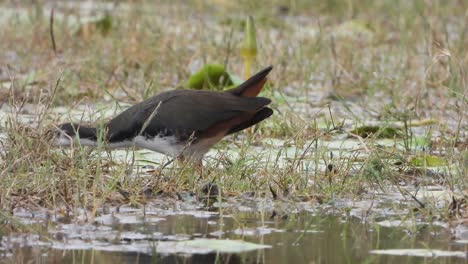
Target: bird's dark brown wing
{"x":181,"y":113}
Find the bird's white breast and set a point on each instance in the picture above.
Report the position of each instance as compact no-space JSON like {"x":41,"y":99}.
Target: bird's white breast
{"x":164,"y":145}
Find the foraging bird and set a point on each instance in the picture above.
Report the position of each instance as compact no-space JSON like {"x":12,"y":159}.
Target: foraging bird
{"x":183,"y":124}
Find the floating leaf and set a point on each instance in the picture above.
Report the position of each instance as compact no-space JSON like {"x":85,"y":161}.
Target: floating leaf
{"x":219,"y":245}
{"x":427,"y":253}
{"x":428,"y":161}
{"x":139,"y":244}
{"x":210,"y":76}
{"x":379,"y":132}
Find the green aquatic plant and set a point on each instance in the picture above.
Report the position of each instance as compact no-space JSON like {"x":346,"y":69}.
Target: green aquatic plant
{"x":211,"y":77}
{"x":249,"y":46}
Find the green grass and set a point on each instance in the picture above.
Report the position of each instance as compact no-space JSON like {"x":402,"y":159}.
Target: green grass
{"x":338,"y":65}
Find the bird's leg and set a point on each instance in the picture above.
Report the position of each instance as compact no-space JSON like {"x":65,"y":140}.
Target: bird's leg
{"x":199,"y":169}
{"x":197,"y":165}
{"x":180,"y":159}
{"x":158,"y":171}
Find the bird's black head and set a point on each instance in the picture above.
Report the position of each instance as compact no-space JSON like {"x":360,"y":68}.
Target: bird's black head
{"x":69,"y":129}
{"x":65,"y":133}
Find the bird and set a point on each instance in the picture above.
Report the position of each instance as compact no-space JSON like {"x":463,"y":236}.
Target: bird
{"x":183,"y":124}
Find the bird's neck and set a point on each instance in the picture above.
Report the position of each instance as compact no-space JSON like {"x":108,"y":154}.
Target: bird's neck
{"x":87,"y":133}
{"x":87,"y":136}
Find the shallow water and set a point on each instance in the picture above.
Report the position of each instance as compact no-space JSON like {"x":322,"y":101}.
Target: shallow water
{"x":285,"y":232}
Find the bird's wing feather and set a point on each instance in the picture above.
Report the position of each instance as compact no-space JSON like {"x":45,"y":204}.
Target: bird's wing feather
{"x":181,"y":112}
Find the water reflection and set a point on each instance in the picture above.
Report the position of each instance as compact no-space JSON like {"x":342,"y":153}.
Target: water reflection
{"x":295,"y":238}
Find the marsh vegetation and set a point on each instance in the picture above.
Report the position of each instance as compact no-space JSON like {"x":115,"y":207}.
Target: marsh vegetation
{"x":366,"y":151}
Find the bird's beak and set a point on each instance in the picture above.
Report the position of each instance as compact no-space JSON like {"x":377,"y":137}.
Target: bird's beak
{"x":58,"y":137}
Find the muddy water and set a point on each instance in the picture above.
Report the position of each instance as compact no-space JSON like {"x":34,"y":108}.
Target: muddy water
{"x":127,"y":235}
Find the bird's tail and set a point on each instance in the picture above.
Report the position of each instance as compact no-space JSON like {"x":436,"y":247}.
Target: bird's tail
{"x":253,"y":86}
{"x":259,"y":116}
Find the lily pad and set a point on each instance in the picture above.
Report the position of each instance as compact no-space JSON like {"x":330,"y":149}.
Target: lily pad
{"x":197,"y":246}
{"x":427,"y":253}
{"x":428,"y":161}
{"x":379,"y":132}
{"x":218,"y":245}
